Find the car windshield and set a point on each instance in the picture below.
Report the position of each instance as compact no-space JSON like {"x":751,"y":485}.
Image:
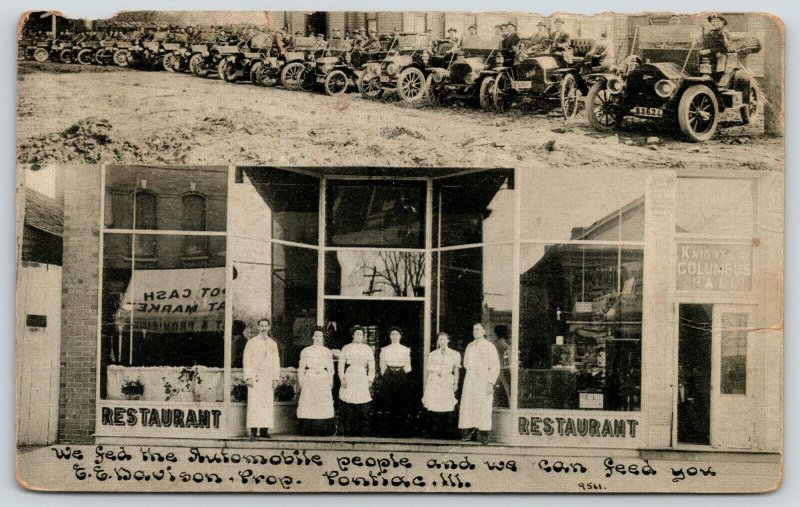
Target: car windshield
{"x":411,"y":42}
{"x":476,"y":42}
{"x":305,"y":43}
{"x":669,"y":43}
{"x":337,"y":45}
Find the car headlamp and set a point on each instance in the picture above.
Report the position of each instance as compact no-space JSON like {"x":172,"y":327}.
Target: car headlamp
{"x":665,"y":88}
{"x":426,"y":57}
{"x":614,"y":84}
{"x":391,"y":69}
{"x":469,"y":78}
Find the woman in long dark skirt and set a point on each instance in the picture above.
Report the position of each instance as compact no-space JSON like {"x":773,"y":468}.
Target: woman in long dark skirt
{"x":393,"y":396}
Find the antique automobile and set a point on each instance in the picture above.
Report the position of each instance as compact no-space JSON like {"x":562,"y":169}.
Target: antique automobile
{"x":333,"y":69}
{"x":675,"y":80}
{"x":177,"y":52}
{"x":116,"y":48}
{"x":547,"y":76}
{"x":409,"y":60}
{"x":238,"y":65}
{"x":200,"y":48}
{"x":294,"y":62}
{"x":469,"y":76}
{"x":37,"y":49}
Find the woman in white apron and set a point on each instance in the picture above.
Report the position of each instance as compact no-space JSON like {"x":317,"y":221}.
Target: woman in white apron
{"x":261,"y":365}
{"x":483,"y":367}
{"x":441,"y":383}
{"x":357,"y":372}
{"x":315,"y":378}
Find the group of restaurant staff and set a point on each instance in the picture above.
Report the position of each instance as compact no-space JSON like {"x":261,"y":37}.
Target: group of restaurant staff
{"x":356,"y":371}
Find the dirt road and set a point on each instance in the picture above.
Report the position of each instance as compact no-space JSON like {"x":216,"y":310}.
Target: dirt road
{"x":94,"y":114}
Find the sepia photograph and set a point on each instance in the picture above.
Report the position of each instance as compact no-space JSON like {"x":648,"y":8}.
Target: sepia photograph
{"x":426,"y":252}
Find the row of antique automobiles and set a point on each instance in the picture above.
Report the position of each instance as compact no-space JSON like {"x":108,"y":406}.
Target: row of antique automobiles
{"x":668,"y":75}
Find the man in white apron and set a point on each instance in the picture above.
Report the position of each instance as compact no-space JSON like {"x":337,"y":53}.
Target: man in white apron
{"x":262,"y":371}
{"x":483,"y":367}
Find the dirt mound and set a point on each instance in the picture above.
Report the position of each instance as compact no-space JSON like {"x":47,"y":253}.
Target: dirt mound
{"x":90,"y":140}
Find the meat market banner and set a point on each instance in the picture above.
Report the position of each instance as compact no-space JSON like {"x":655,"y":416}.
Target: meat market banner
{"x":175,"y":301}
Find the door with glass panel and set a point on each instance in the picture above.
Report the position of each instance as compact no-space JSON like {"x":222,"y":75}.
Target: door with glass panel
{"x":731,"y":377}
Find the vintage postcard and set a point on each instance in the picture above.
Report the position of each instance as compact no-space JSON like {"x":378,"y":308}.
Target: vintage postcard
{"x":428,"y":252}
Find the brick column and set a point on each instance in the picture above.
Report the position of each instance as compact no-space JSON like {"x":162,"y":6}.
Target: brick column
{"x":80,"y":285}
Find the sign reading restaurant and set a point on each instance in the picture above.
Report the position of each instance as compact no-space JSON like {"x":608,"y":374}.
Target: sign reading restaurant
{"x":577,"y":426}
{"x":714,"y":266}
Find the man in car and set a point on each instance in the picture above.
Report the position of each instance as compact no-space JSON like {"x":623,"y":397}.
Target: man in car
{"x":559,"y":37}
{"x":718,"y":42}
{"x":373,"y":43}
{"x":540,"y":40}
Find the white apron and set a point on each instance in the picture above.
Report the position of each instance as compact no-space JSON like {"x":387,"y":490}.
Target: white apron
{"x":439,"y":395}
{"x":315,"y":376}
{"x":357,"y":370}
{"x":483,"y":367}
{"x":261,"y":364}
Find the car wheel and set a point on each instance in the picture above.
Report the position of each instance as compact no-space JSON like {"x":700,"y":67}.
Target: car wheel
{"x":698,"y":113}
{"x":501,"y":93}
{"x":336,"y":83}
{"x":254,"y":70}
{"x":169,"y":62}
{"x":411,"y":84}
{"x":121,"y":57}
{"x":431,"y":94}
{"x":370,"y":86}
{"x":85,"y":57}
{"x":65,"y":56}
{"x":227,"y":70}
{"x":570,"y":96}
{"x":40,"y":55}
{"x":601,"y":109}
{"x":100,"y":56}
{"x":750,"y":110}
{"x":485,"y":96}
{"x":197,"y":65}
{"x":293,"y":75}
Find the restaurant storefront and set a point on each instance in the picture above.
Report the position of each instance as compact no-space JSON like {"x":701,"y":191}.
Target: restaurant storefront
{"x":631,"y":309}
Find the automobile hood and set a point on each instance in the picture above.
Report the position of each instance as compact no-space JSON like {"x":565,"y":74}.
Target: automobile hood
{"x":401,"y":60}
{"x":475,"y":63}
{"x":669,"y":70}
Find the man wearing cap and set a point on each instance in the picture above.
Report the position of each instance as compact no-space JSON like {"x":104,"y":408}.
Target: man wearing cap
{"x":541,"y":39}
{"x":373,"y":43}
{"x":452,"y":36}
{"x":718,"y":39}
{"x":559,"y":37}
{"x":511,"y":40}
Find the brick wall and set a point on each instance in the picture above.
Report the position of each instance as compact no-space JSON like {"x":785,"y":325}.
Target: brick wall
{"x":80,"y":284}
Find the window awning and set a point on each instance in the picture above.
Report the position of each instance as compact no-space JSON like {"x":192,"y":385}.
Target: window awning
{"x":174,"y":301}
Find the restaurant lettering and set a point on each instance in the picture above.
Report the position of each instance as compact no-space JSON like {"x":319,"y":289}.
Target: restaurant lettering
{"x":577,"y":427}
{"x":160,"y":417}
{"x":718,"y":267}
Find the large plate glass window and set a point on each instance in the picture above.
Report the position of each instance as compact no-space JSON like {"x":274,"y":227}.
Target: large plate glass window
{"x":164,"y":285}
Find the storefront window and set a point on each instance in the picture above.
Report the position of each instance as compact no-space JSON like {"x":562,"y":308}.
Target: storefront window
{"x":274,"y":213}
{"x":377,"y":214}
{"x":473,"y":208}
{"x":378,"y":274}
{"x":157,"y":196}
{"x":277,"y":205}
{"x":580,"y":326}
{"x":163,"y":321}
{"x":163,"y":295}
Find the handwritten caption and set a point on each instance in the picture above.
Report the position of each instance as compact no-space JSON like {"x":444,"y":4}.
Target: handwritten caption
{"x":303,"y":469}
